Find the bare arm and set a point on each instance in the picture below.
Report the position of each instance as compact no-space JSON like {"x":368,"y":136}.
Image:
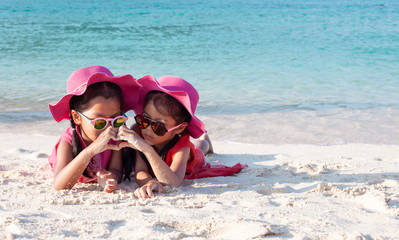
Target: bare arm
{"x":144,"y":179}
{"x":68,"y":169}
{"x":171,"y":176}
{"x":142,"y":172}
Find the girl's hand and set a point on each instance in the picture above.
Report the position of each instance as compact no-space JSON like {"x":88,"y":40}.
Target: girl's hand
{"x":107,"y":180}
{"x":146,"y":191}
{"x":102,"y":142}
{"x":132,"y":138}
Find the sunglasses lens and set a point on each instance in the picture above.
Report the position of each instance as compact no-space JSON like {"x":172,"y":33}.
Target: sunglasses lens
{"x":141,"y":121}
{"x":100,"y":124}
{"x":118,"y":122}
{"x":158,"y":128}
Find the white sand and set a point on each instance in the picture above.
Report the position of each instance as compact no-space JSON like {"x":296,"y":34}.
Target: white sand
{"x":348,"y":191}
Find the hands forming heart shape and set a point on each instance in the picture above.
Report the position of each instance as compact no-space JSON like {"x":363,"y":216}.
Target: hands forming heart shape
{"x":123,"y":136}
{"x":126,"y":137}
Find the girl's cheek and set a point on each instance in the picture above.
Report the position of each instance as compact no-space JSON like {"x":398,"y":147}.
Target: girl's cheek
{"x":92,"y":133}
{"x":96,"y":135}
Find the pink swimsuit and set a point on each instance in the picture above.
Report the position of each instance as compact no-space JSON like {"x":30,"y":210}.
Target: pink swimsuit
{"x":96,"y":163}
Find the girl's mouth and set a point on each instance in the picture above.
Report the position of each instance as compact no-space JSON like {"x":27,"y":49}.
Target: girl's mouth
{"x":147,"y":137}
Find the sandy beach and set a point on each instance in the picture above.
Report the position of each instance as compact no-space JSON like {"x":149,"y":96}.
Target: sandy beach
{"x":289,"y":191}
{"x":303,"y":92}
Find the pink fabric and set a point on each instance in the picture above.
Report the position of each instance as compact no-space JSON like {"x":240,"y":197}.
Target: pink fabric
{"x":178,"y":88}
{"x":81,"y":79}
{"x":196,"y":166}
{"x":99,"y":161}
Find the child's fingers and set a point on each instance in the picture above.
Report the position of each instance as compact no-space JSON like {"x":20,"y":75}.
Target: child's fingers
{"x":108,"y":175}
{"x":109,"y":189}
{"x":110,"y":185}
{"x":107,"y":180}
{"x":104,"y":174}
{"x":113,"y":147}
{"x":160,"y":188}
{"x":124,"y":144}
{"x":141,"y":193}
{"x":101,"y":172}
{"x":149,"y":191}
{"x":111,"y":182}
{"x":127,"y":135}
{"x":124,"y":130}
{"x":137,"y":193}
{"x":110,"y":133}
{"x":144,"y":192}
{"x":102,"y":142}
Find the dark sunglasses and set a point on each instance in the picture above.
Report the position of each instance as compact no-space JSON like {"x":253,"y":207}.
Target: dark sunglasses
{"x":157,"y":127}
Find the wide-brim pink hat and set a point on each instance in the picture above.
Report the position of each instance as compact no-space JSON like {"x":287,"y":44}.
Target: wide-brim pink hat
{"x":79,"y":81}
{"x":178,"y":88}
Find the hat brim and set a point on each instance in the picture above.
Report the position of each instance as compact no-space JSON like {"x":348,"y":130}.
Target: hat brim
{"x":195,"y":127}
{"x":129,"y":86}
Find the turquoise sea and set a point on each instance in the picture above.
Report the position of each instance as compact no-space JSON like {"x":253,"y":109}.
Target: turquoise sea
{"x":287,"y":71}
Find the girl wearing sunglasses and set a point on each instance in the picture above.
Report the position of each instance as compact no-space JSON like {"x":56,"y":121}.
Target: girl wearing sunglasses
{"x":95,"y":105}
{"x":165,"y":123}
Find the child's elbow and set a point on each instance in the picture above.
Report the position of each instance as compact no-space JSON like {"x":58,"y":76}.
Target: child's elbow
{"x":176,"y":184}
{"x":59,"y":187}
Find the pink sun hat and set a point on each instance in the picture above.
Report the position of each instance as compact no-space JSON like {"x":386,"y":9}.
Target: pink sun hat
{"x":79,"y":81}
{"x":178,"y":88}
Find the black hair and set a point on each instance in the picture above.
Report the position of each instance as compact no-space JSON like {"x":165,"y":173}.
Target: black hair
{"x":80,"y":103}
{"x":128,"y":161}
{"x":169,"y":106}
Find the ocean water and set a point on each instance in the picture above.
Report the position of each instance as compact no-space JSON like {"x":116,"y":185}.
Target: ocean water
{"x":287,"y":71}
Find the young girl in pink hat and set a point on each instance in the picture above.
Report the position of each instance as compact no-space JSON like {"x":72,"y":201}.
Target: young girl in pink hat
{"x":95,"y":104}
{"x":165,"y":122}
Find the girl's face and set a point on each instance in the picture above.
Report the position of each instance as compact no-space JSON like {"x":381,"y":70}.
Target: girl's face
{"x":97,"y":107}
{"x":149,"y":136}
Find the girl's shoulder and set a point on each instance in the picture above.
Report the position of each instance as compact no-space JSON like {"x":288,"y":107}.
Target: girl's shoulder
{"x":67,"y":135}
{"x":184,"y":141}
